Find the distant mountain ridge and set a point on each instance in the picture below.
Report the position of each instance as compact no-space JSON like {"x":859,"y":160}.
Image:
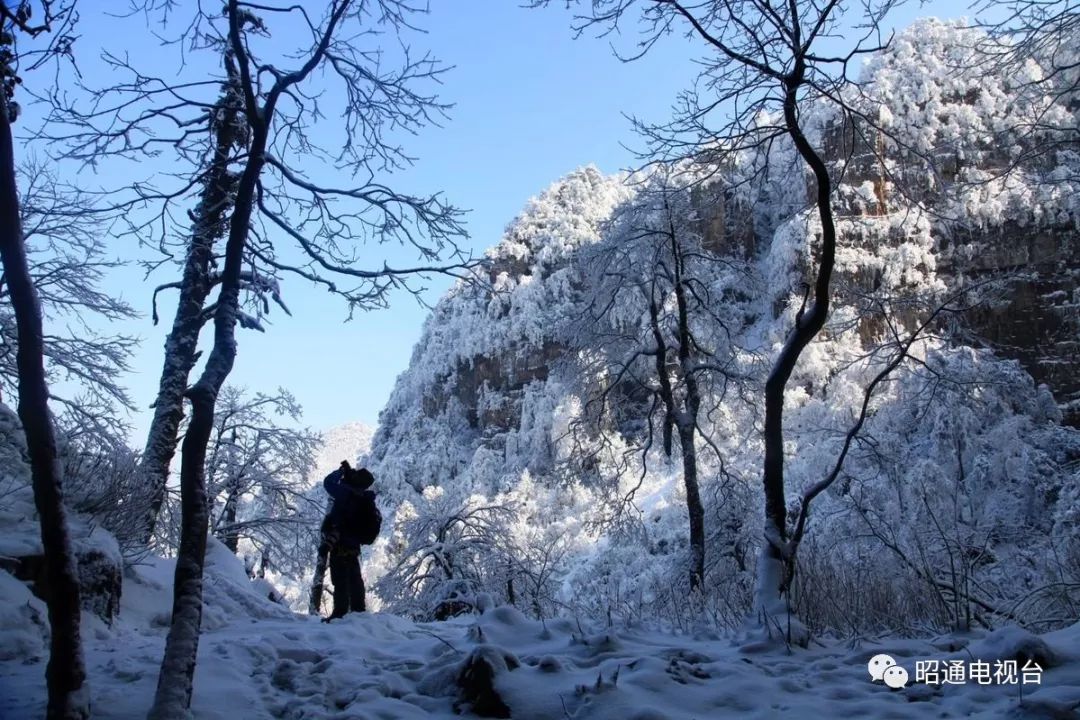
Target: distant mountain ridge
{"x":349,"y":441}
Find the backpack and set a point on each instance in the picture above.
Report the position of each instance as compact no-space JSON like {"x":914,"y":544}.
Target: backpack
{"x":366,"y":518}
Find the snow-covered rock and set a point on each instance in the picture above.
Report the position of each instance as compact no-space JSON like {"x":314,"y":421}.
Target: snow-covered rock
{"x":97,"y":554}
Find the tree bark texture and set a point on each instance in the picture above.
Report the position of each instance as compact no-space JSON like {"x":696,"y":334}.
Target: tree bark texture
{"x":65,"y":674}
{"x":181,"y":345}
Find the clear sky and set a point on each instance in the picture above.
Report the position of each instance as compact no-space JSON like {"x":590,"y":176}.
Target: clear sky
{"x":531,"y":104}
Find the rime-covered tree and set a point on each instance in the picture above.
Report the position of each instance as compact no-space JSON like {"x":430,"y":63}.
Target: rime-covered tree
{"x":763,"y":65}
{"x":257,"y":468}
{"x":455,"y":548}
{"x":664,"y":308}
{"x":1045,"y":33}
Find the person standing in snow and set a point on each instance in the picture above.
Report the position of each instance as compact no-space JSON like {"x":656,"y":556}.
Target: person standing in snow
{"x":353,"y":520}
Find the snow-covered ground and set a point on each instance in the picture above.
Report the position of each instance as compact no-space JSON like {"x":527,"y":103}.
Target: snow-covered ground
{"x":257,"y":660}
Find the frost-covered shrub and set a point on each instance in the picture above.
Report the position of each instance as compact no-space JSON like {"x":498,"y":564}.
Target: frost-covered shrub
{"x":454,"y":552}
{"x":851,"y":586}
{"x":952,"y":508}
{"x":104,"y":484}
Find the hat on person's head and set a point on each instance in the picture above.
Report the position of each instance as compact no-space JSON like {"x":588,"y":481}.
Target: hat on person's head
{"x":364,"y":476}
{"x":361,"y":477}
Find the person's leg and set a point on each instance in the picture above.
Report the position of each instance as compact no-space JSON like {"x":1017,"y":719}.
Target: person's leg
{"x":339,"y":575}
{"x":356,"y":586}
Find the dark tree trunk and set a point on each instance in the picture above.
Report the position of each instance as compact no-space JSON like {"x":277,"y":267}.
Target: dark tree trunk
{"x":688,"y":417}
{"x":777,"y":565}
{"x":694,"y":508}
{"x":65,"y":675}
{"x":173,"y":696}
{"x":182,"y":343}
{"x":681,"y":412}
{"x":229,"y":536}
{"x":225,"y":527}
{"x":175,"y":683}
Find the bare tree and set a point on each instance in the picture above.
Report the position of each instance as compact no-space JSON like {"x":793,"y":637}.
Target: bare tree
{"x":66,"y":672}
{"x":320,"y":233}
{"x":326,"y":227}
{"x":208,"y":226}
{"x":65,"y":243}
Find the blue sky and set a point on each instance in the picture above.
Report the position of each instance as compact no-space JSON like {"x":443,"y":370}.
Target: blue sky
{"x":531,"y":104}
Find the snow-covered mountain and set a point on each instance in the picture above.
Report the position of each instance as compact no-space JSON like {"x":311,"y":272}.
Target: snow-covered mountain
{"x":519,"y":455}
{"x":350,"y":441}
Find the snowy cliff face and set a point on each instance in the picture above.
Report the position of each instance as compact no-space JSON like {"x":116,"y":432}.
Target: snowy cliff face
{"x":474,"y":376}
{"x":505,"y":468}
{"x":1004,"y":180}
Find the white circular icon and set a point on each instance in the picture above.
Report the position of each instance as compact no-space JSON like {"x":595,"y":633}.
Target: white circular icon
{"x":878,"y":665}
{"x":895,"y":677}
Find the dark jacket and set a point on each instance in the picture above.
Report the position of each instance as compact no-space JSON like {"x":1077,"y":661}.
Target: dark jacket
{"x":346,"y":496}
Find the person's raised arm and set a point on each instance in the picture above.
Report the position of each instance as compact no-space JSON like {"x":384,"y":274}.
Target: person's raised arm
{"x":333,"y":484}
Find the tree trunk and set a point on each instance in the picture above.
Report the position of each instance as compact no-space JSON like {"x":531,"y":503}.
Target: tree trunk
{"x":65,"y":675}
{"x":174,"y":688}
{"x":688,"y":418}
{"x":230,"y":537}
{"x":684,"y":419}
{"x":694,"y":507}
{"x":173,"y":696}
{"x":776,"y":566}
{"x":182,"y":343}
